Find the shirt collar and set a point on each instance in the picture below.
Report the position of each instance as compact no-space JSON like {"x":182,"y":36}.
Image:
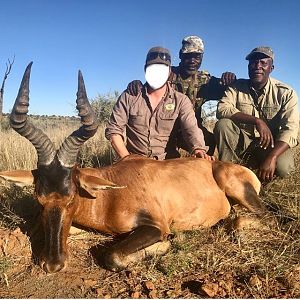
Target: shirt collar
{"x":263,"y":91}
{"x":169,"y":91}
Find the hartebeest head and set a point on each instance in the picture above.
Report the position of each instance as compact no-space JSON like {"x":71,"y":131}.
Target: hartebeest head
{"x":55,"y":186}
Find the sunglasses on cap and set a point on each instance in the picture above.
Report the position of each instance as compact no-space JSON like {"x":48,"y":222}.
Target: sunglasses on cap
{"x":161,"y":55}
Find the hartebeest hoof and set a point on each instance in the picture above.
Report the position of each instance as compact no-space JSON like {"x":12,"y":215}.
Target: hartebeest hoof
{"x":251,"y":222}
{"x":116,"y":262}
{"x":245,"y":222}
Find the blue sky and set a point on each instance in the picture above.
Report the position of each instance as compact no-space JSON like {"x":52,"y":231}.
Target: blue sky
{"x":108,"y":42}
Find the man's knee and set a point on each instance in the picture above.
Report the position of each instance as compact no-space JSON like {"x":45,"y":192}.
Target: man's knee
{"x":209,"y":139}
{"x":285,"y":166}
{"x":222,"y":126}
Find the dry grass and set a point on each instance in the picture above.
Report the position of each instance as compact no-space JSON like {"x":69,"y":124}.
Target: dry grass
{"x":16,"y":152}
{"x":214,"y":262}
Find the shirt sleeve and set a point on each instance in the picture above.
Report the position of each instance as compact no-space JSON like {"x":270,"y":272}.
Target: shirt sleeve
{"x":227,"y":105}
{"x":289,"y":123}
{"x":119,"y":117}
{"x":192,"y":134}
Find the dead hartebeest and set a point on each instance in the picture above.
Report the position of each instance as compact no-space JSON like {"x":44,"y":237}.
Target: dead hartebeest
{"x":138,"y":196}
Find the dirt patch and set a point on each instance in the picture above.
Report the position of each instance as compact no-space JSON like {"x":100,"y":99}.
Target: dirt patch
{"x":179,"y":274}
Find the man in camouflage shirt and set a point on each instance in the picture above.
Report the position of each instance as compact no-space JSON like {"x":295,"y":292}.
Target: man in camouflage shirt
{"x":199,"y":86}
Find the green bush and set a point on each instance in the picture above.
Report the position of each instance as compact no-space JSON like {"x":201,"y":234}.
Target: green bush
{"x":4,"y":123}
{"x":103,"y":105}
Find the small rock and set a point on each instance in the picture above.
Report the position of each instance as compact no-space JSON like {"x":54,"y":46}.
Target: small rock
{"x":292,"y":278}
{"x":99,"y":293}
{"x":89,"y":282}
{"x":149,"y":285}
{"x":135,"y":295}
{"x":255,"y":281}
{"x":210,"y":289}
{"x":153,"y":294}
{"x":107,"y":296}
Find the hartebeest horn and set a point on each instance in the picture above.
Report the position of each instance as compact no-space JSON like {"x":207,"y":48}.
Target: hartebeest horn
{"x":19,"y":122}
{"x":67,"y":153}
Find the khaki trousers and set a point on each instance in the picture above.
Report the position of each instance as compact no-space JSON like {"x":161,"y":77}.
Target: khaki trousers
{"x":235,"y":145}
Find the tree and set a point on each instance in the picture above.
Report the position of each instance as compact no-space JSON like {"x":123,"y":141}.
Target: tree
{"x":7,"y":71}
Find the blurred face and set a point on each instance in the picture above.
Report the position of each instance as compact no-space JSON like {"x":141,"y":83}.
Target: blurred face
{"x":157,"y":75}
{"x":259,"y":68}
{"x":190,"y":62}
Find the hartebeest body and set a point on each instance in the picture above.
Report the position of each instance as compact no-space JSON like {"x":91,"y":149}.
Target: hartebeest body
{"x":139,"y":196}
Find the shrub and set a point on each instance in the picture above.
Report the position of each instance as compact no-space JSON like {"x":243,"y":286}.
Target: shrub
{"x":4,"y":123}
{"x":103,"y":105}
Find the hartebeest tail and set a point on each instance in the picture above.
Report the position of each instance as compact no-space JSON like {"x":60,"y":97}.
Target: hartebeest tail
{"x":139,"y":197}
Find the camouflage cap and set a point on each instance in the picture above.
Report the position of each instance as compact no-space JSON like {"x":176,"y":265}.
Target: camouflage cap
{"x":158,"y":55}
{"x":192,"y":44}
{"x":263,"y":50}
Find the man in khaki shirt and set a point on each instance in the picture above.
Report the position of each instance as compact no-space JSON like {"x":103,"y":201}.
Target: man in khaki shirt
{"x":151,"y":119}
{"x":259,"y":119}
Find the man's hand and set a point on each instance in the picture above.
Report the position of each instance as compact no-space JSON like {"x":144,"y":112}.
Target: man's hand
{"x":202,"y":154}
{"x":227,"y":78}
{"x":267,"y":169}
{"x":265,"y":134}
{"x":134,"y":87}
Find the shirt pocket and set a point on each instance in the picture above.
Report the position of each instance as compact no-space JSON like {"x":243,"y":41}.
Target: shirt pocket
{"x":137,"y":121}
{"x":167,"y":121}
{"x":270,"y":111}
{"x":245,"y":107}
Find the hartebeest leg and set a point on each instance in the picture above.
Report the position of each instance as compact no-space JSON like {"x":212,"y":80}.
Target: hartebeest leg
{"x":242,"y":187}
{"x":250,"y":200}
{"x":141,"y":242}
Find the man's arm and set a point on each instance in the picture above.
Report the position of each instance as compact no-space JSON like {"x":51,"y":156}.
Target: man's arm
{"x":287,"y":136}
{"x":289,"y":119}
{"x":115,"y":127}
{"x":227,"y":108}
{"x":267,"y":167}
{"x":134,"y":87}
{"x":118,"y":144}
{"x":265,"y":134}
{"x":213,"y":88}
{"x":192,"y":134}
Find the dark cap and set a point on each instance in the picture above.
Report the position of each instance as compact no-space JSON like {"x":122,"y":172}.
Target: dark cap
{"x":263,"y":50}
{"x":158,"y":55}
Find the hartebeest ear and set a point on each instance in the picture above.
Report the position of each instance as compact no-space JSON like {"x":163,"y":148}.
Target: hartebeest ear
{"x":18,"y":177}
{"x":92,"y":184}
